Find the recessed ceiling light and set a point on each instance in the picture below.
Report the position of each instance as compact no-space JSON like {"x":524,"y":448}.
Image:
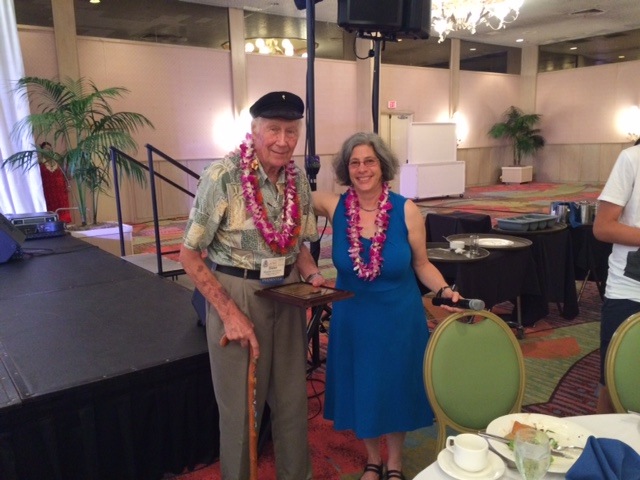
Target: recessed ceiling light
{"x":620,"y":56}
{"x":573,"y":48}
{"x":473,"y":49}
{"x":520,"y":40}
{"x":94,"y":1}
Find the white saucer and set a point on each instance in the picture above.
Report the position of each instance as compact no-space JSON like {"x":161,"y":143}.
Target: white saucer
{"x":494,"y":470}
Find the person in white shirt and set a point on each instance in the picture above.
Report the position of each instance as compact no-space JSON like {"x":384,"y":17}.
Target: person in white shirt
{"x":618,"y":222}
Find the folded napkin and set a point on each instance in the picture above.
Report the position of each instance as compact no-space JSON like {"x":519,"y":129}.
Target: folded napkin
{"x":606,"y":459}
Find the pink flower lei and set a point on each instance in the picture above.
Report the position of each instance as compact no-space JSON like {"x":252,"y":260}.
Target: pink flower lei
{"x":371,"y":270}
{"x":279,"y":240}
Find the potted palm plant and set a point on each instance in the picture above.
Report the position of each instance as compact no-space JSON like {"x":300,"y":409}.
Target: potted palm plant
{"x":72,"y":127}
{"x":519,"y":128}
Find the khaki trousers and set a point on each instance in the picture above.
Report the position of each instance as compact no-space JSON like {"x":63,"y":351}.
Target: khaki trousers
{"x":281,"y":381}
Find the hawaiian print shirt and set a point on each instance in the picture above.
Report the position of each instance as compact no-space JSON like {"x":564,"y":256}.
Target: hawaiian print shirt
{"x":220,"y":223}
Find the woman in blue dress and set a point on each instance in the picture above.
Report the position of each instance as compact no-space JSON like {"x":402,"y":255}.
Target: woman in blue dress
{"x":378,"y":337}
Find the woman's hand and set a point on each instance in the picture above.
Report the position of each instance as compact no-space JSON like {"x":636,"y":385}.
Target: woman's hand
{"x":450,"y":293}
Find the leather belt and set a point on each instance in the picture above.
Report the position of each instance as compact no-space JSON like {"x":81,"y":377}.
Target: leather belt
{"x":247,"y":274}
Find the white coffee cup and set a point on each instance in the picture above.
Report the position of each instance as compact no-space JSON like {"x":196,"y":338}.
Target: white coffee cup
{"x":470,"y":452}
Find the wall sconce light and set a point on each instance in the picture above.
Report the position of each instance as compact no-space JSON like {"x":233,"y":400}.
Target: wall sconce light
{"x":462,"y":127}
{"x":630,"y":122}
{"x":287,"y":46}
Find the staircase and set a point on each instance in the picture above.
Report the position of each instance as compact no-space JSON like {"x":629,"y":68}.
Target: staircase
{"x":158,"y":262}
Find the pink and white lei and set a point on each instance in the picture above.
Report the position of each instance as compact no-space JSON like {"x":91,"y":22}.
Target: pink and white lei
{"x":371,"y":270}
{"x":279,"y":240}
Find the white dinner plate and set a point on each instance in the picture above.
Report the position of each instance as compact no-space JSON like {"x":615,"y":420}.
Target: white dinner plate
{"x":561,"y":430}
{"x":494,"y":242}
{"x":495,"y":468}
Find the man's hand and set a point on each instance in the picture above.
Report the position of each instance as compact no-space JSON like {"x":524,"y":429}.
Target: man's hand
{"x":238,"y":328}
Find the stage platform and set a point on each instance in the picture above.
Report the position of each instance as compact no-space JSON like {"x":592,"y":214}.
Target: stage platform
{"x":104,"y":372}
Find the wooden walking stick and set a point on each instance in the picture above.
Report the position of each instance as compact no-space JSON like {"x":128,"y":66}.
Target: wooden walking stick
{"x":253,"y":414}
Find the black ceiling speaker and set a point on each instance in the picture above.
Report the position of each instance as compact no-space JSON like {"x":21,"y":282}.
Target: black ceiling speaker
{"x":402,"y":18}
{"x":416,"y":19}
{"x":302,"y":4}
{"x":370,"y":15}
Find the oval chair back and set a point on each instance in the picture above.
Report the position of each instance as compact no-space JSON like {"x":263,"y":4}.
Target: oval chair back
{"x":473,"y":372}
{"x":622,"y":366}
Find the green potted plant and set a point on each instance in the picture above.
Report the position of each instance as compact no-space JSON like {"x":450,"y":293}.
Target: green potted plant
{"x":73,"y":126}
{"x":519,"y":128}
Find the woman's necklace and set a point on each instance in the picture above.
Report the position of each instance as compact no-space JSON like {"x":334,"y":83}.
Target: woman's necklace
{"x":368,"y":209}
{"x":372,"y":269}
{"x":281,"y":239}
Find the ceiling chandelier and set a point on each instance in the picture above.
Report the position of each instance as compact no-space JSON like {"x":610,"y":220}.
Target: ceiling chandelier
{"x":290,"y":47}
{"x":451,"y":15}
{"x":287,"y":46}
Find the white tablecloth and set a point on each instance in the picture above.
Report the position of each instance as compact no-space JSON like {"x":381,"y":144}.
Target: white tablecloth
{"x":625,"y":427}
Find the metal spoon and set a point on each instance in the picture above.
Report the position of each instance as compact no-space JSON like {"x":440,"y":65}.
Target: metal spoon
{"x":508,"y":462}
{"x":554,"y":451}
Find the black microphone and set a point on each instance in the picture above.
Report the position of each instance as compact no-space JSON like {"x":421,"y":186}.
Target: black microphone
{"x":466,"y":303}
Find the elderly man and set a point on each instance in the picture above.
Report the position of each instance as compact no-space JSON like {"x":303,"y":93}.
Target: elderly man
{"x":251,"y":216}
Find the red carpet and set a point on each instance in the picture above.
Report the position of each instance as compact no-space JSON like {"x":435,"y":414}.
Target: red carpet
{"x":554,"y":348}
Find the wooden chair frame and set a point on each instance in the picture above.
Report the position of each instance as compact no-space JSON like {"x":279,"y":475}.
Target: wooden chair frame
{"x":622,"y":365}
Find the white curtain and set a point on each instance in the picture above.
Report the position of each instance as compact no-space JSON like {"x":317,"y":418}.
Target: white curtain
{"x":20,"y":191}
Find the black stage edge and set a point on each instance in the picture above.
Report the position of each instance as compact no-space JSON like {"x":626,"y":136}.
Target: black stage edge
{"x":104,"y":373}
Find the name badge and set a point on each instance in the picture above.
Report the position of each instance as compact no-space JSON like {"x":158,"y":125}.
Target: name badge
{"x":272,"y":270}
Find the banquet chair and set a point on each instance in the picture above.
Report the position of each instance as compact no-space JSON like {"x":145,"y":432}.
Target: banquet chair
{"x":622,"y":372}
{"x":473,"y":372}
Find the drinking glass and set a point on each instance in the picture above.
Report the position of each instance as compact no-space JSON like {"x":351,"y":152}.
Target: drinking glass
{"x":533,"y":453}
{"x":474,"y":245}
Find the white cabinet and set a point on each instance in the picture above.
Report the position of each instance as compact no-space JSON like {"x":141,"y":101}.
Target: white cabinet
{"x":430,"y":180}
{"x":431,"y":169}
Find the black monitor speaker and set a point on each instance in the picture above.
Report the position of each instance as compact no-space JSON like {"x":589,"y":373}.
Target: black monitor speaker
{"x":11,"y":240}
{"x":402,"y":18}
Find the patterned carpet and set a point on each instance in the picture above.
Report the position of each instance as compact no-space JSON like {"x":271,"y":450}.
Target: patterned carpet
{"x":561,"y":356}
{"x":501,"y":201}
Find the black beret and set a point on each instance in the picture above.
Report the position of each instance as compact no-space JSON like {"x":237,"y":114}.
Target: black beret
{"x":284,"y":105}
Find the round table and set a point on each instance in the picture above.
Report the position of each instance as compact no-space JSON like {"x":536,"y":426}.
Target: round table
{"x":622,"y":426}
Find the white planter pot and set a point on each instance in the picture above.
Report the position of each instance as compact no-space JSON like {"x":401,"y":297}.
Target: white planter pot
{"x":522,"y":174}
{"x":108,"y":239}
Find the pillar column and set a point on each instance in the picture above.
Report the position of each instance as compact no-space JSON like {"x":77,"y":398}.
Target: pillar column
{"x":64,"y":29}
{"x":238,"y":60}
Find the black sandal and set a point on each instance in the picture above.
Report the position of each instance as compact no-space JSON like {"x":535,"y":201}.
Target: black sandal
{"x":372,"y":467}
{"x":395,"y":474}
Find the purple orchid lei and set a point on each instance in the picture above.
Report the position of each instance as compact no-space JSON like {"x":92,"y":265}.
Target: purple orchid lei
{"x":279,"y":240}
{"x":371,"y":270}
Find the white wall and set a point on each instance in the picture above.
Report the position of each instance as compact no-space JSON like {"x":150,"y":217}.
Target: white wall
{"x":186,"y":92}
{"x":583,"y":105}
{"x":421,"y":91}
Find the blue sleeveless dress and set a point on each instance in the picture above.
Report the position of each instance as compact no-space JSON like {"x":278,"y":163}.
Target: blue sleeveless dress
{"x":377,"y":338}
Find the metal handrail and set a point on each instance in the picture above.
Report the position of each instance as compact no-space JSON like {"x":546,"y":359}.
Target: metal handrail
{"x":114,"y":153}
